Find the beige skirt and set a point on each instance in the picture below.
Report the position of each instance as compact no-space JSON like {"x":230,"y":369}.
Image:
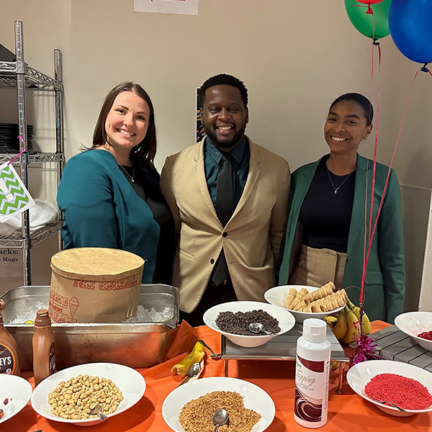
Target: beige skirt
{"x":316,"y":267}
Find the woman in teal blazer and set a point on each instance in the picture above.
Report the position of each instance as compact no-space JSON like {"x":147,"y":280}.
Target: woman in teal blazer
{"x":110,"y":194}
{"x":327,"y":212}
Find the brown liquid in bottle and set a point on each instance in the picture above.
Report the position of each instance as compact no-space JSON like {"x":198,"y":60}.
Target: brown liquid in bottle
{"x":44,"y":363}
{"x":9,"y":362}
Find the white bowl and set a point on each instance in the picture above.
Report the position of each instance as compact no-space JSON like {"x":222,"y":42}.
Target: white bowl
{"x":17,"y":390}
{"x":255,"y":398}
{"x":413,"y":323}
{"x":276,"y":296}
{"x":360,"y":374}
{"x":129,"y":381}
{"x":286,"y":321}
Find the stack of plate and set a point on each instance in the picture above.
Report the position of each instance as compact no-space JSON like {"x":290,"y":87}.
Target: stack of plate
{"x":9,"y":142}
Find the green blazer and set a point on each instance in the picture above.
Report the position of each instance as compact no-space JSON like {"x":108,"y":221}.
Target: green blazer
{"x":101,"y":209}
{"x":385,"y":275}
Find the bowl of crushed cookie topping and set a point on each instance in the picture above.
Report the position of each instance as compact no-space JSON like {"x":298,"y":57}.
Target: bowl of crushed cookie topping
{"x":191,"y":407}
{"x":233,"y":319}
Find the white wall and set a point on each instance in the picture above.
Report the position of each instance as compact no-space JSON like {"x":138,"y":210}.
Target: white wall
{"x":295,"y":57}
{"x":425,"y":303}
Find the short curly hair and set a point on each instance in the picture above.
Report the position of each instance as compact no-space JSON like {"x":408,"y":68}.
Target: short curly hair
{"x":223,"y":79}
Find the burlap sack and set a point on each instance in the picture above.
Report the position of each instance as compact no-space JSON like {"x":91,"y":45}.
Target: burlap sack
{"x":91,"y":285}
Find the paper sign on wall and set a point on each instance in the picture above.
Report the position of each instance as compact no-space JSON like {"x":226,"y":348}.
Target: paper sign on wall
{"x":14,"y":197}
{"x":179,"y":7}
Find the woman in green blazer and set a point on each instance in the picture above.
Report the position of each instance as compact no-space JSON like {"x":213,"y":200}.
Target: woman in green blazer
{"x":325,"y":234}
{"x":110,"y":194}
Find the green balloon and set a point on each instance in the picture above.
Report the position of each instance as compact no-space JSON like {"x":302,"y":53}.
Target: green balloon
{"x":373,"y":26}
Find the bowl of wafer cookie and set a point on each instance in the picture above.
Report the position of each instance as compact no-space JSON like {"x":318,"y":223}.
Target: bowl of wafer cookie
{"x":307,"y":301}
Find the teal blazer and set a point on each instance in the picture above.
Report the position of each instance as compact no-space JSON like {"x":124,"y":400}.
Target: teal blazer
{"x":101,"y":209}
{"x":385,"y":274}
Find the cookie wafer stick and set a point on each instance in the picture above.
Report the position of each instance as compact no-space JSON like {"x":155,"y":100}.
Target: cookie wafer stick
{"x":303,"y":303}
{"x":290,"y":297}
{"x":312,"y":308}
{"x":320,"y":293}
{"x":302,"y":293}
{"x":331,"y":302}
{"x":342,"y":293}
{"x":332,"y":285}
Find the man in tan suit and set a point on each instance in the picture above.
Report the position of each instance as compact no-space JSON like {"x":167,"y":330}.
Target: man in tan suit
{"x":228,"y":197}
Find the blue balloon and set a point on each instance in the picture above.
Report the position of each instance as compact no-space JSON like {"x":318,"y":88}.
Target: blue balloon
{"x":410,"y":23}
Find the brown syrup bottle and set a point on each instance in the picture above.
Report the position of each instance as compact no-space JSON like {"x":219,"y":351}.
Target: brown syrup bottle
{"x":44,"y":363}
{"x":9,"y":362}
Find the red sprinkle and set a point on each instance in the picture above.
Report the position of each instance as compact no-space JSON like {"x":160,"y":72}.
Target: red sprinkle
{"x":404,"y":392}
{"x":6,"y":401}
{"x":426,"y":335}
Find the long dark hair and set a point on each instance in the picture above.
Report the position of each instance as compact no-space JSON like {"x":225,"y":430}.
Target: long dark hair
{"x":362,"y":101}
{"x":145,"y":151}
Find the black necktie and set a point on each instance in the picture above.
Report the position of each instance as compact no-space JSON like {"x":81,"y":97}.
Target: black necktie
{"x":225,"y":207}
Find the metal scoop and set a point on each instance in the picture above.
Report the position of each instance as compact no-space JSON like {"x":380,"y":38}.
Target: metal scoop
{"x":392,"y":404}
{"x":195,"y":369}
{"x":220,"y":418}
{"x":97,"y":410}
{"x":258,"y":328}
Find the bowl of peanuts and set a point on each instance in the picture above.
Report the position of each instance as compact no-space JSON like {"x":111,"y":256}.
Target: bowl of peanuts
{"x":307,"y":301}
{"x":78,"y":394}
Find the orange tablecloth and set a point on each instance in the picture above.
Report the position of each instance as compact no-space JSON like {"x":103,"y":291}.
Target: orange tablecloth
{"x":347,"y":413}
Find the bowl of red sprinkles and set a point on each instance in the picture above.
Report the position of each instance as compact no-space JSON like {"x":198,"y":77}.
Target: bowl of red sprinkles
{"x":385,"y":382}
{"x":418,"y":325}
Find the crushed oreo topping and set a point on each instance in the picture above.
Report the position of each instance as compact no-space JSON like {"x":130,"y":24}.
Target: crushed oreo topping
{"x":238,"y":322}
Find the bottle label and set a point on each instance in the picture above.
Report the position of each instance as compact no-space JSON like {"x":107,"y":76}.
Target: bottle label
{"x":311,"y":390}
{"x":7,"y":360}
{"x":52,"y":360}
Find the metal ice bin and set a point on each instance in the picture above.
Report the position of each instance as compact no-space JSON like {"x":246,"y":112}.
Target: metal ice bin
{"x":132,"y":344}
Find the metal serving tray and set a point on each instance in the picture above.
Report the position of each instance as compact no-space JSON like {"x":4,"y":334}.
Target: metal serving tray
{"x":281,"y":347}
{"x":137,"y":345}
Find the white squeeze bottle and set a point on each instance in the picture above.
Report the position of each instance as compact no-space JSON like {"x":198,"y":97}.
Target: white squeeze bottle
{"x":312,"y":375}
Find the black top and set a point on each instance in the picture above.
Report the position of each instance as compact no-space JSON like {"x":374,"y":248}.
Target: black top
{"x":326,"y":215}
{"x":146,"y":186}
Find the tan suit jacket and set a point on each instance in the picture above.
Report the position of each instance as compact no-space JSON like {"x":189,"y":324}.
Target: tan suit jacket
{"x":252,"y":237}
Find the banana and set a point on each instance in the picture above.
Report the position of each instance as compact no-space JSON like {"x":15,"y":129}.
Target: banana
{"x":195,"y":356}
{"x":356,"y":311}
{"x":340,"y":329}
{"x":334,"y":365}
{"x":365,"y":325}
{"x":350,"y":304}
{"x":330,"y":320}
{"x":353,"y":329}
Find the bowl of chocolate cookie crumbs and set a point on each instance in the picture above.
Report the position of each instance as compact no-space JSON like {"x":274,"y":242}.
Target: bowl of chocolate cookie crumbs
{"x":191,"y":407}
{"x":232,"y":320}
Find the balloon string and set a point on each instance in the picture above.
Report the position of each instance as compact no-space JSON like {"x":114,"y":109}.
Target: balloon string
{"x":386,"y":184}
{"x":425,"y":69}
{"x":376,"y":143}
{"x":20,"y":153}
{"x":368,"y":239}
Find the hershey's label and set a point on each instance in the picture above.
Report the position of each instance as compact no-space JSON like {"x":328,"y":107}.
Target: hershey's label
{"x":7,"y":360}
